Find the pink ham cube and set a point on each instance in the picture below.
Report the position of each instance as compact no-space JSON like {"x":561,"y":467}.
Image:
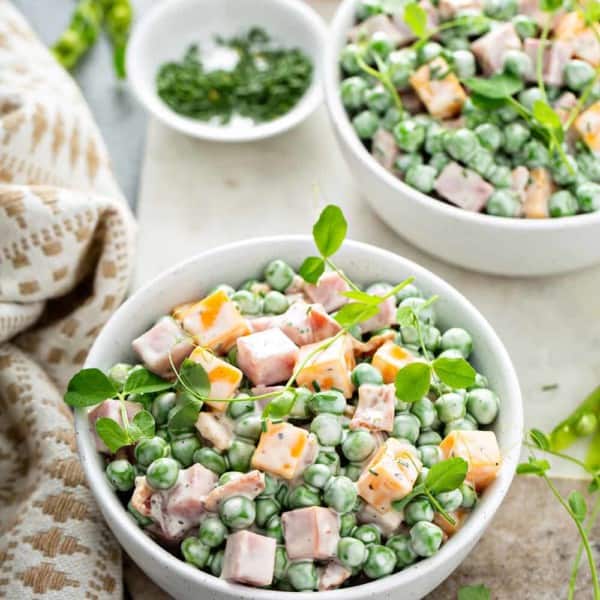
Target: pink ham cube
{"x":384,"y":148}
{"x":332,"y":575}
{"x":267,"y":357}
{"x":245,"y":484}
{"x":312,"y":532}
{"x":386,"y":315}
{"x":249,"y":558}
{"x":556,"y":55}
{"x":154,"y":347}
{"x":215,"y":427}
{"x":380,"y":24}
{"x":491,"y":48}
{"x":110,"y":409}
{"x":328,"y":291}
{"x":463,"y":187}
{"x":375,"y":409}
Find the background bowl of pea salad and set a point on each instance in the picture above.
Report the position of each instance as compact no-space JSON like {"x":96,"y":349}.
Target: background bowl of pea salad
{"x":385,"y":559}
{"x":225,"y":70}
{"x":459,"y":141}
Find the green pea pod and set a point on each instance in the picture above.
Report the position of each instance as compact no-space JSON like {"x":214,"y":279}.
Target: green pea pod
{"x":119,"y":16}
{"x":578,"y":424}
{"x":81,"y":34}
{"x":592,"y":459}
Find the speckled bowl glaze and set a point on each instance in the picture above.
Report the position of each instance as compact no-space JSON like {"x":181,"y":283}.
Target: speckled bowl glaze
{"x":233,"y":264}
{"x":501,"y":246}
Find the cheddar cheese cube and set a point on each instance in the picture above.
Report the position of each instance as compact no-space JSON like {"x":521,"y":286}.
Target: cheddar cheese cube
{"x":389,"y":359}
{"x":571,"y":27}
{"x":479,"y":449}
{"x":439,"y":89}
{"x":587,"y":126}
{"x":224,"y":378}
{"x":284,"y":450}
{"x":537,"y":194}
{"x":215,"y":322}
{"x":390,"y":475}
{"x":329,"y":368}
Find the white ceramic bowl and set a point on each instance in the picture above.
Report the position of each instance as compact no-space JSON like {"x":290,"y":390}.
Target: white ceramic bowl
{"x":171,"y":26}
{"x":520,"y":247}
{"x":233,"y":264}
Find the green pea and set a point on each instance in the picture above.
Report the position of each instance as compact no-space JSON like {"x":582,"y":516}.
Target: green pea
{"x":421,"y":177}
{"x":378,"y":99}
{"x":380,"y":44}
{"x":408,"y":291}
{"x":457,"y":43}
{"x":406,"y":426}
{"x":501,"y":176}
{"x":428,"y":51}
{"x":237,"y":512}
{"x":405,"y":161}
{"x":142,"y":521}
{"x":358,"y":445}
{"x":365,"y":123}
{"x":317,"y":475}
{"x":195,"y":552}
{"x":429,"y":438}
{"x":216,"y":563}
{"x":400,"y":67}
{"x":507,"y":113}
{"x":303,"y":575}
{"x":450,"y":407}
{"x":340,"y":494}
{"x":279,"y":275}
{"x":274,"y":529}
{"x":303,"y":496}
{"x":515,"y":135}
{"x":301,"y":406}
{"x":353,"y":471}
{"x":578,"y":74}
{"x":281,"y":563}
{"x":416,"y":510}
{"x":483,"y":405}
{"x":469,"y":495}
{"x":330,"y":401}
{"x":239,"y":455}
{"x":327,"y":428}
{"x":424,"y":410}
{"x":380,"y":562}
{"x":347,"y":523}
{"x":211,"y":459}
{"x":349,"y":57}
{"x":526,"y":27}
{"x":391,"y":117}
{"x":429,"y":455}
{"x":161,"y":405}
{"x":422,"y":475}
{"x":482,"y":162}
{"x":464,"y":63}
{"x":564,"y":174}
{"x":517,"y":63}
{"x":351,"y":552}
{"x":162,"y":474}
{"x":247,"y":302}
{"x":212,"y":532}
{"x":150,"y":449}
{"x":562,"y":204}
{"x":223,"y":287}
{"x":535,"y":154}
{"x":183,"y":449}
{"x":450,"y":501}
{"x":588,"y":197}
{"x":465,"y":424}
{"x":402,"y":547}
{"x":241,"y":407}
{"x":503,"y":203}
{"x":265,"y":509}
{"x":121,"y":475}
{"x":426,"y":538}
{"x":366,"y":373}
{"x":409,"y":135}
{"x":438,"y":161}
{"x":426,"y":315}
{"x":352,"y":92}
{"x":275,"y":303}
{"x":461,"y":144}
{"x":249,"y":427}
{"x":589,"y":166}
{"x":118,"y":374}
{"x":271,"y":486}
{"x":368,"y":533}
{"x":329,"y":458}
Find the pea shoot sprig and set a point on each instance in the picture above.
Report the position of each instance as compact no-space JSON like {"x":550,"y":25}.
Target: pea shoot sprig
{"x":474,"y":592}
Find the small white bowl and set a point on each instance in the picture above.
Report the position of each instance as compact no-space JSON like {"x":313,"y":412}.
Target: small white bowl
{"x":233,"y":264}
{"x":501,"y":246}
{"x":165,"y":33}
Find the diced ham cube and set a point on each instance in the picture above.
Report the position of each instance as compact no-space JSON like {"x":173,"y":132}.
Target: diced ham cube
{"x":375,"y":409}
{"x":327,"y":291}
{"x":390,"y":475}
{"x":587,"y":126}
{"x":384,"y":148}
{"x":267,"y":357}
{"x":140,"y":500}
{"x":479,"y":449}
{"x":164,"y":339}
{"x":389,"y":359}
{"x":249,"y":558}
{"x":463,"y":188}
{"x":284,"y":450}
{"x":439,"y":89}
{"x":330,"y":368}
{"x":215,"y":322}
{"x":451,"y":8}
{"x":519,"y":181}
{"x":245,"y":484}
{"x":537,"y":194}
{"x":224,"y":378}
{"x":332,"y":576}
{"x":556,"y":55}
{"x":491,"y":48}
{"x":110,"y":409}
{"x":389,"y":522}
{"x":312,"y":532}
{"x":379,"y":24}
{"x":384,"y":318}
{"x":302,"y":323}
{"x":217,"y":428}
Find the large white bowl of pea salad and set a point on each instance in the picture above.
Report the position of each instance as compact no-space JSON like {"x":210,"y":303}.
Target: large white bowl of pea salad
{"x":473,"y":126}
{"x":250,"y":434}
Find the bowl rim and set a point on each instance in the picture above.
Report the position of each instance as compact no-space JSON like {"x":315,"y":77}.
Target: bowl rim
{"x":341,"y":121}
{"x":302,"y":13}
{"x":465,"y":538}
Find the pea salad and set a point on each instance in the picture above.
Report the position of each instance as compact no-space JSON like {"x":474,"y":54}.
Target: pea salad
{"x":492,"y":106}
{"x":298,"y":432}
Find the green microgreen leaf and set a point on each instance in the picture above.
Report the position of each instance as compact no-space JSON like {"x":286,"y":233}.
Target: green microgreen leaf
{"x":112,"y":434}
{"x":418,"y":490}
{"x":330,"y":230}
{"x":280,"y":406}
{"x":89,"y":387}
{"x":446,"y":475}
{"x":144,"y":421}
{"x":413,"y":381}
{"x":353,"y":313}
{"x":406,"y":316}
{"x":142,"y":381}
{"x":455,"y":372}
{"x":540,"y":439}
{"x":474,"y":592}
{"x":363,"y":297}
{"x":184,"y":417}
{"x":487,"y":104}
{"x":312,"y":268}
{"x":194,"y":378}
{"x":533,"y":467}
{"x":496,"y":87}
{"x":578,"y":505}
{"x":550,"y":5}
{"x":416,"y":19}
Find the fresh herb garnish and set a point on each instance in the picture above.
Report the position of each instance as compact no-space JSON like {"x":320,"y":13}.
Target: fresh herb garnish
{"x":474,"y":592}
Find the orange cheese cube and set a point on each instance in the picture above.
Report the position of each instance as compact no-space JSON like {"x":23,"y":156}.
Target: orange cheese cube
{"x":587,"y":125}
{"x":537,"y":194}
{"x":439,"y":89}
{"x":330,"y":368}
{"x":459,"y":517}
{"x":389,"y":359}
{"x":479,"y":449}
{"x":215,"y":322}
{"x":284,"y":450}
{"x":571,"y":27}
{"x":224,"y":378}
{"x":390,"y":475}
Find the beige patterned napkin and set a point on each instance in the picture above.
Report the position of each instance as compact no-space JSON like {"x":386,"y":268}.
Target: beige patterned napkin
{"x":66,"y":248}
